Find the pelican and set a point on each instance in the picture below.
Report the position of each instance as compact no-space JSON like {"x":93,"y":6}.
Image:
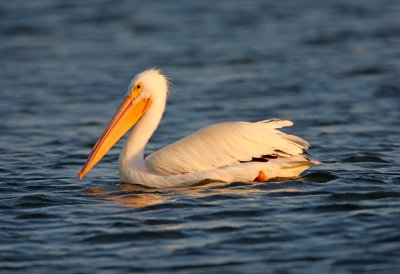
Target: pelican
{"x":229,"y":152}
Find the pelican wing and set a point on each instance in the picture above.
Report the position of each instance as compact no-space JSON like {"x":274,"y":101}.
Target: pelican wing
{"x":226,"y":144}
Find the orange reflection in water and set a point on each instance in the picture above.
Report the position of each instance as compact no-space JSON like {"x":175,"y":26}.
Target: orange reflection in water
{"x":132,"y":195}
{"x":125,"y":198}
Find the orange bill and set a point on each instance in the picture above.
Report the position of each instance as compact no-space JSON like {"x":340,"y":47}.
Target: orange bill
{"x":126,"y":116}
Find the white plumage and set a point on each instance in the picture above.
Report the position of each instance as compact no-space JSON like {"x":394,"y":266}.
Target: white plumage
{"x":232,"y":151}
{"x":225,"y":144}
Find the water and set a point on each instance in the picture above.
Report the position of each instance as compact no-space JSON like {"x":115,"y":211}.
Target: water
{"x":332,"y":68}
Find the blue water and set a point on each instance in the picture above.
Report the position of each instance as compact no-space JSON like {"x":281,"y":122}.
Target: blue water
{"x":331,"y":67}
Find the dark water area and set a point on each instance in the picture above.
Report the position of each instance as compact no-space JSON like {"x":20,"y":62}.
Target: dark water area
{"x":331,"y":67}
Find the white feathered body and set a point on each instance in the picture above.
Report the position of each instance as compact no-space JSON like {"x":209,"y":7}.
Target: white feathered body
{"x":232,"y":151}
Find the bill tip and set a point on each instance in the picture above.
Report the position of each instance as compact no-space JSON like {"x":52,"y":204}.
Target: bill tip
{"x":80,"y":175}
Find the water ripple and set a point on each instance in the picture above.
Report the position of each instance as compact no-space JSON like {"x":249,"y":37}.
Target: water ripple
{"x":331,"y":67}
{"x":139,"y":236}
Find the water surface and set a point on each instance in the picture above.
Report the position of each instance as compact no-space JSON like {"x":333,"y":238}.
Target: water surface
{"x":332,"y":68}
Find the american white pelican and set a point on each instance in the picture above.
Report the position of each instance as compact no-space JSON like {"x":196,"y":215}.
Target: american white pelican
{"x":230,"y":152}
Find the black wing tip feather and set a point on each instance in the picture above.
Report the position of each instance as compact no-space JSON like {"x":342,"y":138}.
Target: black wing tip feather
{"x":263,"y":158}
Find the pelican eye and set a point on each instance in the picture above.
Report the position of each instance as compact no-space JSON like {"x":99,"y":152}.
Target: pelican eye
{"x":136,"y":90}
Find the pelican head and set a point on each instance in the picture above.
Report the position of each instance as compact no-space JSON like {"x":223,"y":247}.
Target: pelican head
{"x":147,"y":89}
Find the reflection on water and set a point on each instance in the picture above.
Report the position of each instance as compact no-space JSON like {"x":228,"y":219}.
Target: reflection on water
{"x":132,"y":195}
{"x":127,"y":198}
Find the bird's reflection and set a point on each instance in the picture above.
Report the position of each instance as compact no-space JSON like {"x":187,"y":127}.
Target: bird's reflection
{"x":132,"y":195}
